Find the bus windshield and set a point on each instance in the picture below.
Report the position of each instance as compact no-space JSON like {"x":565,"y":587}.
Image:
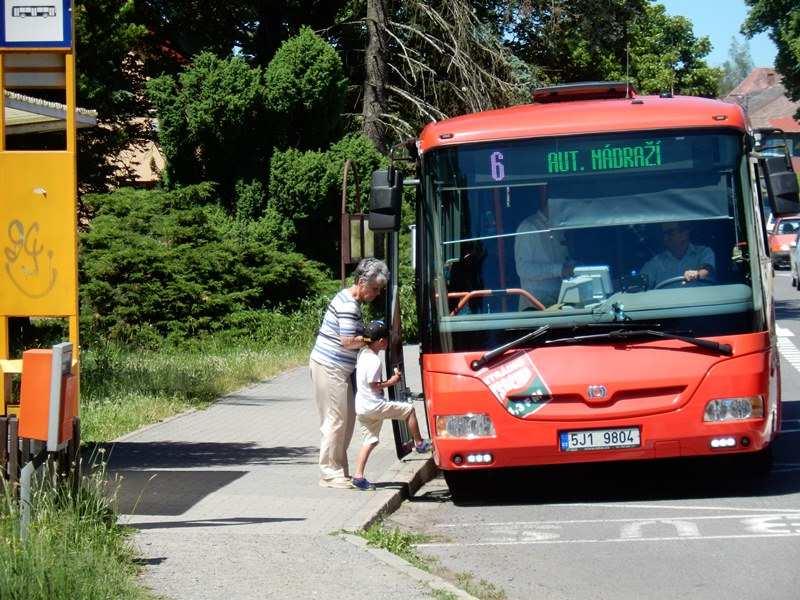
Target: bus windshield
{"x":643,"y":226}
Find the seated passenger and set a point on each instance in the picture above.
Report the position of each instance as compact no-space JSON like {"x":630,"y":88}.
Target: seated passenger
{"x":680,"y":258}
{"x":541,"y":257}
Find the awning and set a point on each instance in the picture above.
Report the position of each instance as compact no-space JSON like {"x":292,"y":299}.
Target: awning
{"x":25,"y":114}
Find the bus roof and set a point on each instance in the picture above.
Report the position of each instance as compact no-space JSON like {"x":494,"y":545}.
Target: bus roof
{"x":582,"y":117}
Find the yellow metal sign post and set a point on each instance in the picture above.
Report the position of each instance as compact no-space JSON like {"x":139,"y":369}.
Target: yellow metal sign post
{"x":38,"y":188}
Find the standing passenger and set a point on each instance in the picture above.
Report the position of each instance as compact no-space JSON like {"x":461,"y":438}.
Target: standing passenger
{"x":542,"y":258}
{"x":332,"y":362}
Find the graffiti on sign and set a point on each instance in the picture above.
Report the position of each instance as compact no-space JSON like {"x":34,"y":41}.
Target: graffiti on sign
{"x":31,"y":273}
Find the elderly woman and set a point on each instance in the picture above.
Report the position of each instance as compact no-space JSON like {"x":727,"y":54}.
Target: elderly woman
{"x":333,"y":360}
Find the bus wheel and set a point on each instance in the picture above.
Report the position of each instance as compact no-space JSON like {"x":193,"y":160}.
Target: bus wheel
{"x":464,"y":485}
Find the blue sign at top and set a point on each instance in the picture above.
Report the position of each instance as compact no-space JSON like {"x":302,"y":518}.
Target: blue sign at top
{"x":36,"y":24}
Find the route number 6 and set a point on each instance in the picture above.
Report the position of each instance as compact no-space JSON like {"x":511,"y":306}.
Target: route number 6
{"x":498,"y":170}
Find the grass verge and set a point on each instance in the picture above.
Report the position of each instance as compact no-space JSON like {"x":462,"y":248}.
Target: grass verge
{"x":402,"y":543}
{"x":123,"y":390}
{"x":74,"y":548}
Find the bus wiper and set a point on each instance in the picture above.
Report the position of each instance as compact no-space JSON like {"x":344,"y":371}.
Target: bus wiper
{"x":477,"y":365}
{"x":626,"y":334}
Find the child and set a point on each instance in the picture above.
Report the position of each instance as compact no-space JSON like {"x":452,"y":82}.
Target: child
{"x":371,"y":407}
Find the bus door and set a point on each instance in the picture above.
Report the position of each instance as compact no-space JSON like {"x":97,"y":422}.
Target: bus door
{"x":394,"y":352}
{"x":384,"y":217}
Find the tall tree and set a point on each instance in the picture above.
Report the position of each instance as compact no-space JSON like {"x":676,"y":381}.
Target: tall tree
{"x":571,"y":40}
{"x":666,"y":56}
{"x":376,"y":79}
{"x":427,"y":61}
{"x":111,"y":82}
{"x":737,"y":67}
{"x":781,"y":18}
{"x":253,"y":28}
{"x":590,"y":40}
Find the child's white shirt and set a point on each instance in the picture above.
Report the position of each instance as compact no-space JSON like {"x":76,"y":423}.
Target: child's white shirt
{"x":368,"y":370}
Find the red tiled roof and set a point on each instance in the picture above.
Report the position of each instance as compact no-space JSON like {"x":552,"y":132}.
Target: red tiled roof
{"x":758,"y":79}
{"x":764,"y":98}
{"x":788,"y":124}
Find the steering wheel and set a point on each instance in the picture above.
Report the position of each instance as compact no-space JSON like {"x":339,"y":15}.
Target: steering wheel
{"x":467,"y":296}
{"x":680,"y":279}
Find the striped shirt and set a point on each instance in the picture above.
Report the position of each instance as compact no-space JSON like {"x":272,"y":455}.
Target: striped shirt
{"x":343,"y":318}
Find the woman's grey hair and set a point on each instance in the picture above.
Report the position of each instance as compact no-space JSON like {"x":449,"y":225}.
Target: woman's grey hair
{"x":371,"y":271}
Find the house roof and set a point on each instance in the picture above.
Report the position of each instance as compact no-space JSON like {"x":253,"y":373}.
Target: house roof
{"x":764,"y":98}
{"x":25,"y":114}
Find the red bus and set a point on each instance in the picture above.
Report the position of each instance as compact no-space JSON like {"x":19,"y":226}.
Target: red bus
{"x":593,"y":280}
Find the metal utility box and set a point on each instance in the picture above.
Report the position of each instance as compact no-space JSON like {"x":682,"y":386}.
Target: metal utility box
{"x":48,"y":396}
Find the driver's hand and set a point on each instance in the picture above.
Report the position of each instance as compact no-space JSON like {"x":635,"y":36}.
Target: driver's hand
{"x":567,"y":269}
{"x":691,"y":275}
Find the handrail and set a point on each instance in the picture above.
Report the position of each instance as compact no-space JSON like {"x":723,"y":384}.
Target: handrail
{"x":465,"y":296}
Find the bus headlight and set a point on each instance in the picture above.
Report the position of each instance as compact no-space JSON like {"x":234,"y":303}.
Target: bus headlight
{"x":734,"y":409}
{"x":464,"y":426}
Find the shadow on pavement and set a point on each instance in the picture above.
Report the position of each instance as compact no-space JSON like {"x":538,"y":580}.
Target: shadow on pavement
{"x":244,"y":400}
{"x":214,"y":522}
{"x":167,"y":492}
{"x":185,"y":455}
{"x":787,"y":309}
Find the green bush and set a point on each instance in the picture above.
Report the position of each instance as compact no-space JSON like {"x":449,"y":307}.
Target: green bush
{"x":172,"y":263}
{"x":214,"y":123}
{"x":307,"y":187}
{"x":306,"y":87}
{"x":250,"y":199}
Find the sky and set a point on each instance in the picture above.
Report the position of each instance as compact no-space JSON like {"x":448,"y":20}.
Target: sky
{"x":720,"y":20}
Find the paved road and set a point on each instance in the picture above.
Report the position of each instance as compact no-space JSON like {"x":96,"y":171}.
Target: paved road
{"x":227,"y":504}
{"x":694,"y":529}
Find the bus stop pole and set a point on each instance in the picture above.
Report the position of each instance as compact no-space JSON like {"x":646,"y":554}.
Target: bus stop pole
{"x":25,"y":484}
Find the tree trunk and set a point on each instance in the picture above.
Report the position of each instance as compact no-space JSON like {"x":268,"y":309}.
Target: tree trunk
{"x":376,"y":80}
{"x":270,"y":33}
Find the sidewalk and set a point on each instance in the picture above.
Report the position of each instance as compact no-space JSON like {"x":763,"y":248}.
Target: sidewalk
{"x":227,"y":503}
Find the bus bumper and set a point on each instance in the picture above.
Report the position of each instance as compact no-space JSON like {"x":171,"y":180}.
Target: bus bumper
{"x":660,"y":437}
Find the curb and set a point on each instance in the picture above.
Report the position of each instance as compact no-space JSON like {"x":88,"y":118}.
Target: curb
{"x":406,"y":476}
{"x":433,"y":581}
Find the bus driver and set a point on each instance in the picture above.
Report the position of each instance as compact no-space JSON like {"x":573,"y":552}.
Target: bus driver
{"x":680,"y":258}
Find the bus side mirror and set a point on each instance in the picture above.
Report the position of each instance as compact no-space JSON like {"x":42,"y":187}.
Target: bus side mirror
{"x":782,"y":188}
{"x":385,"y":198}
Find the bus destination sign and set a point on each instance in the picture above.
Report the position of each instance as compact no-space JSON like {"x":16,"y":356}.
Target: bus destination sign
{"x":605,"y":158}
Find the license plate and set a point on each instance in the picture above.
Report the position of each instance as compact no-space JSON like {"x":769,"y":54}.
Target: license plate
{"x":599,"y":439}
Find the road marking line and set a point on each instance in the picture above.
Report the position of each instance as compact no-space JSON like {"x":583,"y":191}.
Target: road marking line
{"x":789,"y":352}
{"x":574,"y":521}
{"x":611,"y":540}
{"x":675,"y":506}
{"x":789,"y":430}
{"x":684,"y":528}
{"x":783,"y":331}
